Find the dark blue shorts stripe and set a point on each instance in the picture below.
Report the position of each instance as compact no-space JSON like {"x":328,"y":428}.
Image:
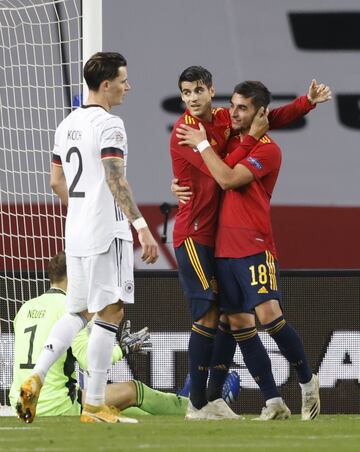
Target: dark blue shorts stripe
{"x":196,"y":266}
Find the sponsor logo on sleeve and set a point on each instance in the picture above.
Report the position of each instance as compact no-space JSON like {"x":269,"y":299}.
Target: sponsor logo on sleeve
{"x":254,"y":162}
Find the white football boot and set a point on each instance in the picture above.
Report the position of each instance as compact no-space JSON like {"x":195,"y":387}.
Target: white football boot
{"x":218,"y":409}
{"x":310,"y":408}
{"x":274,"y":411}
{"x":193,"y":414}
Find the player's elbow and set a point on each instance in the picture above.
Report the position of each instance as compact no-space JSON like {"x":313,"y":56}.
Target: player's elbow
{"x":228,"y":184}
{"x":55,"y":184}
{"x":225,"y":185}
{"x":224,"y":180}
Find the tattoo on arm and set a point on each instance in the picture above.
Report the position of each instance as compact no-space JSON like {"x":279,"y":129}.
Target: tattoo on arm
{"x":120,"y":188}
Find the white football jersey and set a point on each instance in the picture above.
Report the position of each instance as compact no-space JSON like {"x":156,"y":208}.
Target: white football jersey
{"x":93,"y":219}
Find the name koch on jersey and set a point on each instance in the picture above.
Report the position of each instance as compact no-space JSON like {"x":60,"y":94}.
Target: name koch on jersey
{"x":82,"y":140}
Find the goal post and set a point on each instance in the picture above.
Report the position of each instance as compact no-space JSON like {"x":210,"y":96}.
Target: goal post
{"x":92,"y":32}
{"x":42,"y":48}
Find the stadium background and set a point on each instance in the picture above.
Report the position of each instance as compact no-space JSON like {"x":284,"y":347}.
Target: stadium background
{"x":316,"y":208}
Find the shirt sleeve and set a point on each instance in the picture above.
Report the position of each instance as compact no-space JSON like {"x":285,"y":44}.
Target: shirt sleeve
{"x":113,"y":139}
{"x":240,"y":151}
{"x":56,"y":159}
{"x":263,"y":160}
{"x":180,"y":153}
{"x":282,"y":116}
{"x":195,"y":159}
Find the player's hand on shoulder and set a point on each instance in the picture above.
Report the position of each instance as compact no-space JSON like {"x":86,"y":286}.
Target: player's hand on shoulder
{"x":150,"y":248}
{"x":182,"y":193}
{"x":189,"y":136}
{"x":318,"y":92}
{"x":260,"y":123}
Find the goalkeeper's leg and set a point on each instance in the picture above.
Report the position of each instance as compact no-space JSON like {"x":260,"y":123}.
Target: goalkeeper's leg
{"x":137,"y":394}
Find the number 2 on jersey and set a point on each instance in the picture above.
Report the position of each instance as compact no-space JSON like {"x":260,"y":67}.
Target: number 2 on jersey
{"x":72,"y":192}
{"x":30,"y":364}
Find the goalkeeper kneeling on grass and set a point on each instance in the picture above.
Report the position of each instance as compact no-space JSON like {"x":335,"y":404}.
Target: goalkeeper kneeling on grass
{"x":60,"y":394}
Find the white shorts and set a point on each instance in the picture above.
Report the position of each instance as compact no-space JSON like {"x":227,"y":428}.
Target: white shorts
{"x":96,"y":281}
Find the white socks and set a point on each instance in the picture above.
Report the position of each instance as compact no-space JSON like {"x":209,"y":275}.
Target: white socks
{"x":58,"y":341}
{"x":100,"y":349}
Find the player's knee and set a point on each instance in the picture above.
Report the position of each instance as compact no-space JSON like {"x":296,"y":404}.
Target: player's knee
{"x":117,"y":316}
{"x":210,"y":319}
{"x":224,"y":318}
{"x":113,"y":313}
{"x":86,"y":316}
{"x":268,"y":312}
{"x":241,"y":320}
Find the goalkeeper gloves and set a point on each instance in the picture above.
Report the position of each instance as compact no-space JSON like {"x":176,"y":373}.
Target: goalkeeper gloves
{"x":133,"y":342}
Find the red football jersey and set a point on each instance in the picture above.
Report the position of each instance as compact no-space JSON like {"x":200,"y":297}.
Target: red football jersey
{"x":244,"y":225}
{"x":198,"y":217}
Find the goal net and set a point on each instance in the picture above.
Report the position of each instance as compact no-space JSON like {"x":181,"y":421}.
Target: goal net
{"x":40,"y":82}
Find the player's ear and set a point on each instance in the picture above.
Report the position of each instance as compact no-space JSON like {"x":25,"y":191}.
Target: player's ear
{"x":212,"y":91}
{"x":104,"y":85}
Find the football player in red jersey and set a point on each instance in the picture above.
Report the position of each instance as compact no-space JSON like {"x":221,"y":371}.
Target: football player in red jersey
{"x":246,"y":263}
{"x":194,"y":234}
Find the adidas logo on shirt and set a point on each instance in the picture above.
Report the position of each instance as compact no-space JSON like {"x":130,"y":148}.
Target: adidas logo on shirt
{"x":263,"y":289}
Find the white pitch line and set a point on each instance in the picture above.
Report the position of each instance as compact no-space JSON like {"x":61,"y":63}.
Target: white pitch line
{"x":19,"y":428}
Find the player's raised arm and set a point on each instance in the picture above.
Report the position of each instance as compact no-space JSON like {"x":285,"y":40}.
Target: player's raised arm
{"x":120,"y":188}
{"x":286,"y":114}
{"x":318,"y":92}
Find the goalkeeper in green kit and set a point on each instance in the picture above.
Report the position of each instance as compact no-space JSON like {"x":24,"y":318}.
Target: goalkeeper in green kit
{"x":60,"y":394}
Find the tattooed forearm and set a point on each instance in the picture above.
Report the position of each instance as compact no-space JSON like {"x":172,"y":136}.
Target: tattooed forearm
{"x":119,"y":187}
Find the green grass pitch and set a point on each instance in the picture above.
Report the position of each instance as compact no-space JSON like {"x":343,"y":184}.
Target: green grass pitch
{"x":159,"y":433}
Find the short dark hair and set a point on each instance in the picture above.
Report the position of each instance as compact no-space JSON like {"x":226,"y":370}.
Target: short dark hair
{"x":102,"y":66}
{"x":57,"y":268}
{"x":196,"y":74}
{"x":257,"y":91}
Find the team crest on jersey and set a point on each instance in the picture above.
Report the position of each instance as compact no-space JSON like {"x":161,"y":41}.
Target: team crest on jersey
{"x":254,"y":162}
{"x":129,"y":286}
